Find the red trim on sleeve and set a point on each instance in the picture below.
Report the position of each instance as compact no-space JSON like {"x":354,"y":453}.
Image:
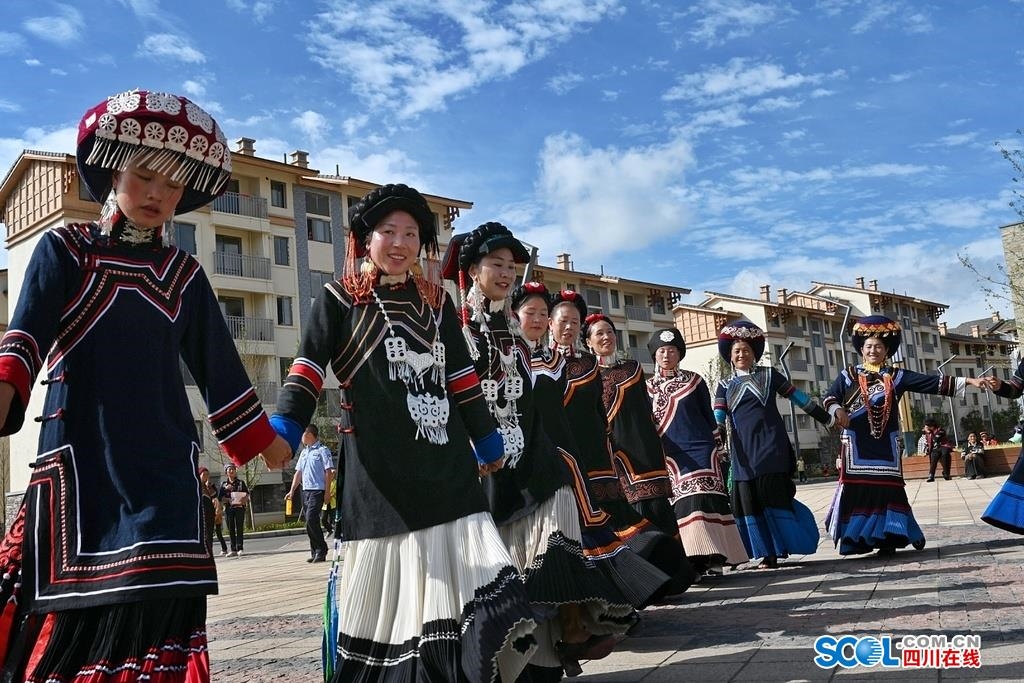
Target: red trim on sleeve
{"x":250,"y":441}
{"x":309,"y":374}
{"x":14,"y":372}
{"x":463,"y":383}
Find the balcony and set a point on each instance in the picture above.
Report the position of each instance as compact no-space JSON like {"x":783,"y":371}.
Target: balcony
{"x":641,"y":313}
{"x":250,"y":329}
{"x":239,"y":265}
{"x":267,"y":392}
{"x":797,"y":364}
{"x":240,"y":205}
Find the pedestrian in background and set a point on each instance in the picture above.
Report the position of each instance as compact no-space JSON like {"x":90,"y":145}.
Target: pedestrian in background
{"x":233,"y":495}
{"x":315,"y":471}
{"x":937,"y":447}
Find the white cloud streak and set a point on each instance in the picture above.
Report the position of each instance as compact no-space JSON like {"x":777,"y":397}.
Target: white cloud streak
{"x":397,"y":60}
{"x":170,"y":46}
{"x":740,"y":79}
{"x":64,"y":27}
{"x":718,"y":21}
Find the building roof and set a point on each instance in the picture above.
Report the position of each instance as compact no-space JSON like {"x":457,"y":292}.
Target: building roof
{"x":614,"y":279}
{"x":369,"y":185}
{"x":26,"y":157}
{"x":986,"y":326}
{"x":861,"y":290}
{"x":772,"y":304}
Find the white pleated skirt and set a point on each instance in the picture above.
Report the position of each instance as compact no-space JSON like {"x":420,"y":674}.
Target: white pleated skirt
{"x":439,"y":604}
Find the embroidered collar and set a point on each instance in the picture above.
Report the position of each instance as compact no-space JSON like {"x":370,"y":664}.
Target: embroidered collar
{"x":123,"y":232}
{"x":607,"y":361}
{"x":659,"y":372}
{"x":393,"y":280}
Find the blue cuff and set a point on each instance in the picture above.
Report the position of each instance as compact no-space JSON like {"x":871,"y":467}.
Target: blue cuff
{"x":288,"y":429}
{"x":489,"y":449}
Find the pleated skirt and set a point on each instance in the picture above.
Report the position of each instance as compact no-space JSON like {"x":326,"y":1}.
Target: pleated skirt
{"x":770,"y":521}
{"x":438,"y":604}
{"x":866,"y":517}
{"x":1006,"y":510}
{"x":545,"y":547}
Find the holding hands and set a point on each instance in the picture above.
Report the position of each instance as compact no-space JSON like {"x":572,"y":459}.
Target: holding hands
{"x":277,"y":454}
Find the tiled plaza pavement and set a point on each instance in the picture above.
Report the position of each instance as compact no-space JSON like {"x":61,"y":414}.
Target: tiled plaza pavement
{"x":749,"y":625}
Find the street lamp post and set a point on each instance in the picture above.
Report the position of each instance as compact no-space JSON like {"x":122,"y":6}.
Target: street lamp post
{"x":952,"y":410}
{"x":988,"y":400}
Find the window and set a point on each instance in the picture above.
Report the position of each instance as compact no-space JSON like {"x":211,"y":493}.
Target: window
{"x":803,"y":323}
{"x":659,"y":305}
{"x":232,"y":306}
{"x":615,"y":298}
{"x":592,"y":296}
{"x":284,"y":310}
{"x":229,"y":255}
{"x":819,"y":373}
{"x":628,"y":300}
{"x":284,"y":364}
{"x":828,"y":327}
{"x":318,"y":230}
{"x":317,"y":280}
{"x":816,"y":340}
{"x":185,"y":237}
{"x":320,"y":204}
{"x":282,"y":256}
{"x":277,"y":194}
{"x":959,"y":372}
{"x":633,"y":343}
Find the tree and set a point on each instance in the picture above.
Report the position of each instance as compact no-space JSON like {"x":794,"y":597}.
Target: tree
{"x":1005,"y":420}
{"x":973,"y":422}
{"x":1007,"y":284}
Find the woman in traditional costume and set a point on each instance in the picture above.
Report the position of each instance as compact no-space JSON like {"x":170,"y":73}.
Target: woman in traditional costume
{"x":637,"y":579}
{"x":107,"y":565}
{"x":693,"y":446}
{"x":771,"y":522}
{"x":428,"y":590}
{"x":869,"y":509}
{"x":530,"y":497}
{"x":585,"y":411}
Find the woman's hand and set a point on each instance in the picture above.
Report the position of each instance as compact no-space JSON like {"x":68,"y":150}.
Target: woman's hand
{"x":491,"y":468}
{"x":7,"y":392}
{"x":981,"y":382}
{"x":276,"y":454}
{"x":842,"y":419}
{"x":992,"y":383}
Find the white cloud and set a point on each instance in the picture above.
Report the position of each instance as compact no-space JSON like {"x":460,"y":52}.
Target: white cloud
{"x":740,"y":79}
{"x":395,"y":58}
{"x":957,"y":139}
{"x":563,"y":83}
{"x":147,"y":10}
{"x":605,"y":200}
{"x":171,"y":46}
{"x":389,"y":166}
{"x":66,"y":26}
{"x":60,"y":139}
{"x":312,"y":124}
{"x":193,"y":88}
{"x":790,"y":135}
{"x":8,"y":107}
{"x":610,"y":95}
{"x":730,"y":116}
{"x":58,"y":72}
{"x":11,"y":43}
{"x":722,"y":20}
{"x":775,"y":104}
{"x":260,"y":9}
{"x":33,"y":62}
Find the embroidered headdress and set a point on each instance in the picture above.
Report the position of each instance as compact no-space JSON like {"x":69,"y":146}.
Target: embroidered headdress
{"x":163,"y":132}
{"x":668,"y":337}
{"x":741,"y":330}
{"x":571,"y":297}
{"x":879,"y":326}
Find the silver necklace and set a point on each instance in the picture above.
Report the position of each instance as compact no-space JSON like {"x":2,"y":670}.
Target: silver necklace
{"x":428,"y":412}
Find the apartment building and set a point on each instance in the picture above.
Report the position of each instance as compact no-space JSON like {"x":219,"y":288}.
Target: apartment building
{"x":981,"y":347}
{"x":1012,"y":237}
{"x":268,"y":245}
{"x":804,"y":327}
{"x":637,"y":308}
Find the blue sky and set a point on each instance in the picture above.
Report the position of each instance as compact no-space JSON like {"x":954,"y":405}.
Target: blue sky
{"x":716,"y":145}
